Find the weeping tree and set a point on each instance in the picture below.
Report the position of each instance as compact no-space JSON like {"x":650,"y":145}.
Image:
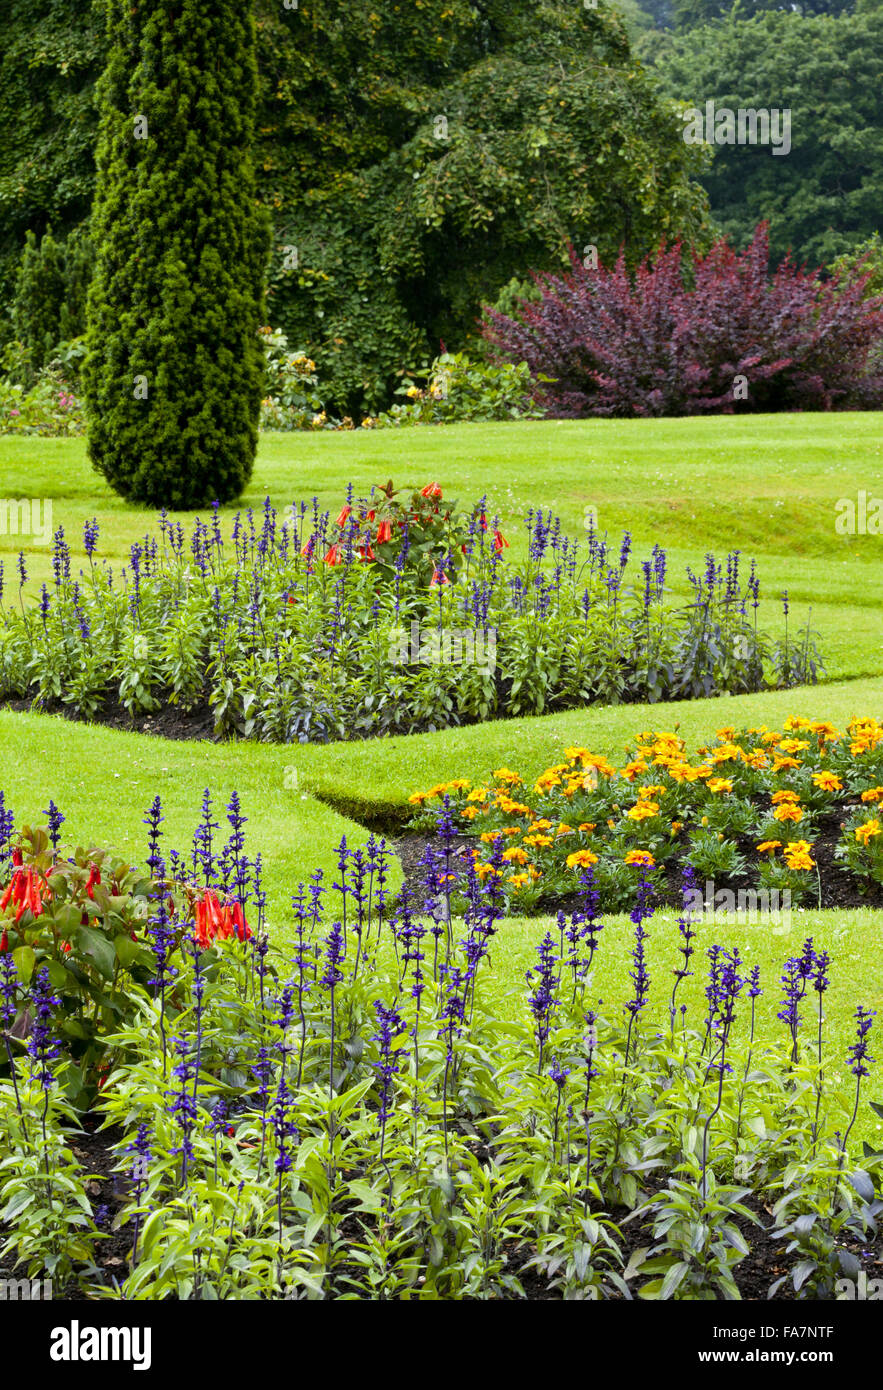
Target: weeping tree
{"x":174,"y":367}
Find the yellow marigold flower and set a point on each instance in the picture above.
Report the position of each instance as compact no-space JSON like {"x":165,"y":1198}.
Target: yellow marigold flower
{"x":767,"y":846}
{"x":541,"y":825}
{"x":640,"y":856}
{"x":726,"y":753}
{"x":873,"y":794}
{"x":458,"y":785}
{"x":770,"y":737}
{"x":720,"y":784}
{"x":575,"y":755}
{"x":483,"y":870}
{"x":634,"y":769}
{"x":868,"y":831}
{"x":515,"y":855}
{"x":510,"y":829}
{"x":796,"y":721}
{"x":487,"y":837}
{"x":611,"y":823}
{"x":824,"y":730}
{"x":534,"y":872}
{"x":780,"y":763}
{"x":546,"y":782}
{"x":478,"y":794}
{"x":644,"y":810}
{"x":677,"y":825}
{"x":726,"y":735}
{"x":518,"y":880}
{"x":793,"y":745}
{"x":788,"y":811}
{"x":784,"y":796}
{"x":470,"y":812}
{"x":703,"y":770}
{"x":759,"y":760}
{"x":827,"y":781}
{"x":505,"y":774}
{"x":581,"y":859}
{"x":417,"y":798}
{"x":587,"y":826}
{"x":797,"y":855}
{"x":564,"y":829}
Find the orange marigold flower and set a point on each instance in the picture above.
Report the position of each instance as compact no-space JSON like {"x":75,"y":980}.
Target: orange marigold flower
{"x":827,"y":781}
{"x":868,"y":831}
{"x":581,"y":859}
{"x":767,"y":846}
{"x":788,"y":811}
{"x":640,"y":856}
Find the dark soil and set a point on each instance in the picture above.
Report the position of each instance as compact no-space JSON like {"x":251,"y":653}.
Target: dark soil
{"x":838,"y":888}
{"x":169,"y":721}
{"x":109,"y":1192}
{"x":754,"y":1275}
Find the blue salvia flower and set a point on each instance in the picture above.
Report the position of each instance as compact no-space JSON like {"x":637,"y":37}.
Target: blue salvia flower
{"x":7,"y":825}
{"x":390,"y":1025}
{"x":153,"y":820}
{"x":543,"y":1001}
{"x":90,"y":537}
{"x":55,"y":822}
{"x":858,"y":1055}
{"x":43,"y":1047}
{"x":181,"y":1105}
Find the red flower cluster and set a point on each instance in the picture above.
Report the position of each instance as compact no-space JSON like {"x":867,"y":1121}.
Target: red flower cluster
{"x":28,"y":891}
{"x":218,"y":921}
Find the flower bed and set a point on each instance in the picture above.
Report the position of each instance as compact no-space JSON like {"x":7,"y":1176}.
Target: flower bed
{"x":348,"y":1116}
{"x":401,"y":614}
{"x":757,"y":808}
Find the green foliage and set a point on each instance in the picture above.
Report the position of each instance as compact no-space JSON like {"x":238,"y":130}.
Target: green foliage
{"x":866,"y":258}
{"x":458,"y":388}
{"x":823,"y":198}
{"x":48,"y":408}
{"x":174,"y":369}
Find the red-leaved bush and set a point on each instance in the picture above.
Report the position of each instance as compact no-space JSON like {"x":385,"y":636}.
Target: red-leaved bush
{"x":657,"y":345}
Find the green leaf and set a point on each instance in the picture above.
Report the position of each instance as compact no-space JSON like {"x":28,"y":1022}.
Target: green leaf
{"x":99,"y":950}
{"x":25,"y":959}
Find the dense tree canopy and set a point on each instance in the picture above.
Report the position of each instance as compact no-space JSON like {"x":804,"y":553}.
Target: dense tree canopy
{"x":415,"y":154}
{"x":825,"y":196}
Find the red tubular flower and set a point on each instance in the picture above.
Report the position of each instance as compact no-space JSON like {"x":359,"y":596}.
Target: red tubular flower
{"x":438,"y":578}
{"x":4,"y":941}
{"x":344,"y":515}
{"x":333,"y":556}
{"x":366,"y":552}
{"x":17,"y":858}
{"x":371,"y":515}
{"x":384,"y":532}
{"x":307,"y":547}
{"x":243,"y":930}
{"x":483,"y":519}
{"x":94,"y":877}
{"x":66,"y":947}
{"x":499,"y":541}
{"x":431,"y":490}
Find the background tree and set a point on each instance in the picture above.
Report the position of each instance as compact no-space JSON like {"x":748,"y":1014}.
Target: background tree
{"x":174,"y":369}
{"x":824,"y":197}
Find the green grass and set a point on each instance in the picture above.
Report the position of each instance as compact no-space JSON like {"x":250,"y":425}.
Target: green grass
{"x":104,"y":780}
